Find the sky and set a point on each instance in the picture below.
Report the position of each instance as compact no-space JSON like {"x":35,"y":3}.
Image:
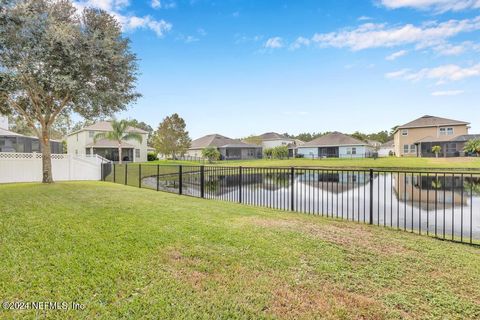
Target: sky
{"x":242,"y":67}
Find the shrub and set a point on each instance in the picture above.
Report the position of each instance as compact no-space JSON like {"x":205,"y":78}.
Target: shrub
{"x":212,"y":154}
{"x":280,"y":152}
{"x":152,"y":156}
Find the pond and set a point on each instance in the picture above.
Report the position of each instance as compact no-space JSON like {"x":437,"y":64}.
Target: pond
{"x":445,"y":205}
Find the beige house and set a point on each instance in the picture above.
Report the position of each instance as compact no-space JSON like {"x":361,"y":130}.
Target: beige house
{"x":416,"y":138}
{"x":273,"y":139}
{"x":82,"y":142}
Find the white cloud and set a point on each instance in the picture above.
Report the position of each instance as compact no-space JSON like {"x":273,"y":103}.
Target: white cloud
{"x":300,"y":42}
{"x":162,"y":4}
{"x":397,"y":74}
{"x":447,"y":93}
{"x":274,"y":43}
{"x":364,"y":18}
{"x":128,"y":22}
{"x":396,"y":55}
{"x":373,"y":35}
{"x":447,"y":49}
{"x":437,"y":5}
{"x":442,"y":74}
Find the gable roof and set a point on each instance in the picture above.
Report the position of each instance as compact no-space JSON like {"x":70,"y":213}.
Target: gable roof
{"x":106,"y":126}
{"x":334,"y":139}
{"x":273,"y":136}
{"x":219,"y":141}
{"x":431,"y":121}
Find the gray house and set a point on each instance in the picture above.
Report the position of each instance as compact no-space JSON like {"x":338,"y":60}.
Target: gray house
{"x":14,"y":142}
{"x":230,"y":149}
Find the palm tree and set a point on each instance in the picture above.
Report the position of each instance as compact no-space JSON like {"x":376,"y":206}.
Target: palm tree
{"x":118,"y":134}
{"x":473,"y":146}
{"x":436,"y":150}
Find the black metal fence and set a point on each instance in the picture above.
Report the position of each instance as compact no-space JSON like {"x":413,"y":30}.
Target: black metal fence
{"x":445,"y":205}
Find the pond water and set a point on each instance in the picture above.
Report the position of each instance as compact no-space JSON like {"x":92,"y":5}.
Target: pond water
{"x":446,"y":205}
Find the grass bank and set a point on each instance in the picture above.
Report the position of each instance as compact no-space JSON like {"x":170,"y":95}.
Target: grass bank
{"x":391,"y":162}
{"x":129,"y":253}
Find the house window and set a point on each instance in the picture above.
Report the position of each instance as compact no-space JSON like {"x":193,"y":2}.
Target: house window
{"x":87,"y":151}
{"x":351,"y":151}
{"x":91,"y":134}
{"x":404,"y":132}
{"x":35,"y":146}
{"x":137,"y":153}
{"x":413,"y":148}
{"x":446,"y":131}
{"x":406,"y":148}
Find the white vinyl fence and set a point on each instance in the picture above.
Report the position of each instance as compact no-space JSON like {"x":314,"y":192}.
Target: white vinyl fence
{"x":27,"y":167}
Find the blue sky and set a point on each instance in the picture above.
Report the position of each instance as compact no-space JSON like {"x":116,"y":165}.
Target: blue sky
{"x":241,"y":67}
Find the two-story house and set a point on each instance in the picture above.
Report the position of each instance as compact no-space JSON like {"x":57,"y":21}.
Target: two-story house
{"x":82,"y":142}
{"x":418,"y":137}
{"x":273,"y":139}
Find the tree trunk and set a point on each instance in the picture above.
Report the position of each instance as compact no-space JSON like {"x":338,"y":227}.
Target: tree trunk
{"x":46,"y":156}
{"x":119,"y":154}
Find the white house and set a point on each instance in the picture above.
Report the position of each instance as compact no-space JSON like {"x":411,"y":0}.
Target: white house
{"x":273,"y":139}
{"x":82,"y":142}
{"x":387,"y":149}
{"x":335,"y":145}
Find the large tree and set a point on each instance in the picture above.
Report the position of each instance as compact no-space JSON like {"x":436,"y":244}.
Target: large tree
{"x":55,"y":60}
{"x":171,"y":137}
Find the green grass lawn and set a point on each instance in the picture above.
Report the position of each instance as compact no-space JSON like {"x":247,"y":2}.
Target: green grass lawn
{"x":391,"y":162}
{"x":129,"y":253}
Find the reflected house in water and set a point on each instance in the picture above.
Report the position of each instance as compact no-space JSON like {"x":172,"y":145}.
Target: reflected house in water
{"x":424,"y":190}
{"x":334,"y":180}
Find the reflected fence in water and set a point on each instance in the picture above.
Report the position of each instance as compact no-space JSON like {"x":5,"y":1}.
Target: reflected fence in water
{"x":445,"y":205}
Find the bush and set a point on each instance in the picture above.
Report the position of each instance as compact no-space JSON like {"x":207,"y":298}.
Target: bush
{"x":268,"y":153}
{"x":152,"y":156}
{"x":212,"y":154}
{"x":280,"y":152}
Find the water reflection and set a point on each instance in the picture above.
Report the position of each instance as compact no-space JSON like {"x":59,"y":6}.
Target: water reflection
{"x":422,"y":202}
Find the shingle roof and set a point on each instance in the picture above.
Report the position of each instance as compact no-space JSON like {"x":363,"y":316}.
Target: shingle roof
{"x":334,"y":139}
{"x":272,"y":136}
{"x":106,"y":126}
{"x":217,"y":140}
{"x":466,"y":137}
{"x":9,"y":133}
{"x":388,"y":144}
{"x":463,"y":138}
{"x":431,"y":121}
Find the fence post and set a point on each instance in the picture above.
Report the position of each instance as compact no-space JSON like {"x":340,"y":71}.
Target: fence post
{"x":126,"y":173}
{"x":102,"y":176}
{"x":180,"y":179}
{"x":139,"y":175}
{"x":158,"y":177}
{"x":370,"y":221}
{"x":240,"y":184}
{"x":292,"y":188}
{"x":202,"y":181}
{"x":114,"y":178}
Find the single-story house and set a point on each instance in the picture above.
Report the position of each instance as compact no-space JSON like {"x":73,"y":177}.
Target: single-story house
{"x":387,"y":149}
{"x":335,"y":145}
{"x":230,"y":149}
{"x":14,"y":142}
{"x":82,"y":142}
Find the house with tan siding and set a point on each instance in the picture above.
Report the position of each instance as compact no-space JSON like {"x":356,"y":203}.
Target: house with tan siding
{"x":416,"y":138}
